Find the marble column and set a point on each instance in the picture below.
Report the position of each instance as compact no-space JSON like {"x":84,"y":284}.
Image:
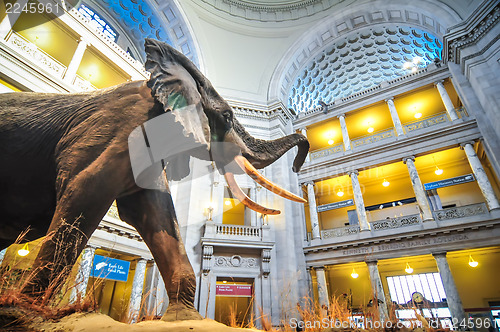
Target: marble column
{"x":136,"y":294}
{"x":322,"y":287}
{"x":358,"y":200}
{"x":252,"y":214}
{"x":418,"y":189}
{"x":2,"y":255}
{"x":482,"y":179}
{"x":446,"y":100}
{"x":313,"y":211}
{"x":378,"y":290}
{"x":82,"y":277}
{"x":10,"y":19}
{"x":395,"y":116}
{"x":70,"y":74}
{"x":452,"y":296}
{"x":309,"y":279}
{"x":304,"y":132}
{"x":345,"y":134}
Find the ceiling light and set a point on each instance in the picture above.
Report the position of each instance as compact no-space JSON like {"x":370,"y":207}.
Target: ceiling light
{"x":417,"y":115}
{"x":227,"y":202}
{"x":399,"y":203}
{"x":386,"y":183}
{"x":414,"y":70}
{"x":370,"y":130}
{"x":416,"y":60}
{"x":408,"y":268}
{"x":354,"y":274}
{"x":25,"y":250}
{"x":472,"y":262}
{"x":330,"y":142}
{"x":381,"y":206}
{"x":438,"y":171}
{"x":224,"y":281}
{"x":340,"y":193}
{"x":407,"y":65}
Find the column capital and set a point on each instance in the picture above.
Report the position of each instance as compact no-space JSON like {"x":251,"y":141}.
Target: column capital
{"x":309,"y":183}
{"x":341,"y":115}
{"x":438,"y":82}
{"x":440,"y":254}
{"x":389,"y":99}
{"x":371,"y":262}
{"x":354,"y":171}
{"x":83,"y":40}
{"x":405,"y":159}
{"x":462,"y":145}
{"x":322,"y":267}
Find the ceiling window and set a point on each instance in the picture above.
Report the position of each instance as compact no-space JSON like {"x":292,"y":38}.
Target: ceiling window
{"x":96,"y":21}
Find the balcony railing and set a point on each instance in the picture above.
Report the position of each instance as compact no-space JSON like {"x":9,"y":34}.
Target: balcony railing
{"x":237,"y":231}
{"x":461,"y":212}
{"x":427,"y":122}
{"x":370,"y":139}
{"x":338,"y":148}
{"x":215,"y":231}
{"x":396,"y":222}
{"x":338,"y":232}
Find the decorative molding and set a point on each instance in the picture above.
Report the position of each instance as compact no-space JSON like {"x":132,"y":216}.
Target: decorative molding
{"x":208,"y":252}
{"x":397,"y":222}
{"x":236,"y":261}
{"x":338,"y":148}
{"x":461,"y":212}
{"x":266,"y":259}
{"x":383,"y":135}
{"x":339,"y":232}
{"x":427,"y":122}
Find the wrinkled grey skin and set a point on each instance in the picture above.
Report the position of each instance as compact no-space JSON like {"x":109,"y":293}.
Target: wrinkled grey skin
{"x":65,"y":158}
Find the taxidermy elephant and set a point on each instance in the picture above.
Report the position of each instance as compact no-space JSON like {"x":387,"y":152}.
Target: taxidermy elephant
{"x":67,"y":157}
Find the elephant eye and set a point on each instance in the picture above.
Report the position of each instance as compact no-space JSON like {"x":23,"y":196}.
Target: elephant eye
{"x":228,"y":115}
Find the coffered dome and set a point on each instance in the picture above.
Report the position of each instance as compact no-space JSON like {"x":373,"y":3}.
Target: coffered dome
{"x":361,"y":60}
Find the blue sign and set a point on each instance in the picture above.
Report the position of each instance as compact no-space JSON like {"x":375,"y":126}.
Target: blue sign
{"x":110,"y":268}
{"x":336,"y":205}
{"x":449,"y":182}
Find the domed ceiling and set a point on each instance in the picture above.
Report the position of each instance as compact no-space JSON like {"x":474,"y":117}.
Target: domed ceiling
{"x":361,"y":60}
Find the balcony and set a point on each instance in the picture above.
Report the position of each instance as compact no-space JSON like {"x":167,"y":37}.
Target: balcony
{"x":236,"y":235}
{"x":400,"y":225}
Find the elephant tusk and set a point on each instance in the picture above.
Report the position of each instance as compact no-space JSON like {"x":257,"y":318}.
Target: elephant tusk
{"x":260,"y":179}
{"x":240,"y":195}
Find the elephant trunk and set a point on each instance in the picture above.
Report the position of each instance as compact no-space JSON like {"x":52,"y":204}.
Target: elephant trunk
{"x":262,"y":153}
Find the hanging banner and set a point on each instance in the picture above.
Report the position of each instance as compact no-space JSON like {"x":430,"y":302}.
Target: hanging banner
{"x":110,"y":268}
{"x":449,"y":182}
{"x":233,"y":290}
{"x":336,"y":205}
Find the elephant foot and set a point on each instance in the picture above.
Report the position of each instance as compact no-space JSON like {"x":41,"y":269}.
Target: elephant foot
{"x":179,"y":311}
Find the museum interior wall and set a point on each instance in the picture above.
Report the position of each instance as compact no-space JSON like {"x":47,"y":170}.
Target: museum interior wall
{"x":400,"y":105}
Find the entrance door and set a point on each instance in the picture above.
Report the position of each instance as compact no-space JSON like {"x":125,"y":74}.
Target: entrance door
{"x":234,"y":301}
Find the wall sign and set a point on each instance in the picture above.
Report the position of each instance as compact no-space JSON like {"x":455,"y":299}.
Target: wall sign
{"x":449,"y":182}
{"x":110,"y":268}
{"x":336,"y":205}
{"x":233,"y":290}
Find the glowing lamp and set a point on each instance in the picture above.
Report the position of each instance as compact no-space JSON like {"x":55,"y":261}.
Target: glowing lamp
{"x":227,"y":202}
{"x":370,"y":130}
{"x":418,"y":115}
{"x":472,"y":262}
{"x":438,"y":171}
{"x":330,"y":142}
{"x":24,"y":251}
{"x":408,"y":269}
{"x":386,"y":183}
{"x":354,"y":275}
{"x":340,"y":193}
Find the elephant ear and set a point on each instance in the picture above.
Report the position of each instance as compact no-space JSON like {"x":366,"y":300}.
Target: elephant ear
{"x":175,"y":88}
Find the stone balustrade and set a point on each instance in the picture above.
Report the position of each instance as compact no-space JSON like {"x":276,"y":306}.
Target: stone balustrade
{"x":339,"y":232}
{"x":427,"y":122}
{"x":461,"y":212}
{"x":338,"y":148}
{"x":398,"y":222}
{"x":370,"y":139}
{"x":237,"y":230}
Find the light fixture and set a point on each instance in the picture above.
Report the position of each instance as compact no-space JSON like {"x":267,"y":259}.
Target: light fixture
{"x":416,"y":60}
{"x":227,"y":202}
{"x":330,"y":142}
{"x":24,"y":251}
{"x":224,"y":281}
{"x":381,"y":206}
{"x":408,"y":268}
{"x":386,"y":183}
{"x":340,"y":193}
{"x":354,"y":274}
{"x":370,"y":130}
{"x":417,"y":115}
{"x":472,"y":262}
{"x":438,"y":171}
{"x":407,"y":65}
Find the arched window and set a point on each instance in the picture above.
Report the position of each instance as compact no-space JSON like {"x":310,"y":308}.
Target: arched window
{"x":98,"y":22}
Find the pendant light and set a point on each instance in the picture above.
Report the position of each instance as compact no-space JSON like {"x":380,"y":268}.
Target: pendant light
{"x":472,"y":262}
{"x":354,"y":275}
{"x":408,"y":268}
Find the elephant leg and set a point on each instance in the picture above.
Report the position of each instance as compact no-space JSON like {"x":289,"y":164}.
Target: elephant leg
{"x":152,"y":213}
{"x":80,"y":207}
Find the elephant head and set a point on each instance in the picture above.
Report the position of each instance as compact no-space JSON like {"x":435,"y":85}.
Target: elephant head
{"x":197,"y":121}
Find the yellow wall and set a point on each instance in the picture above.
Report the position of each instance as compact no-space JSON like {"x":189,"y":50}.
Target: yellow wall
{"x":100,"y":72}
{"x":233,"y":214}
{"x":340,"y":282}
